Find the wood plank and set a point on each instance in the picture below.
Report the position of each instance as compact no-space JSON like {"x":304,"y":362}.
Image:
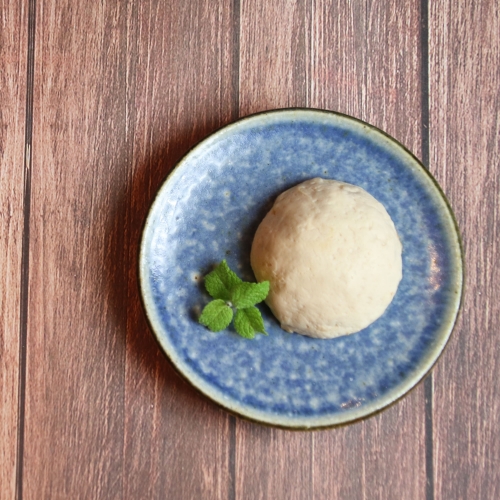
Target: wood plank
{"x":75,"y":345}
{"x":122,"y":92}
{"x":177,"y":444}
{"x":465,"y":150}
{"x":366,"y":62}
{"x":273,"y":55}
{"x":272,"y":463}
{"x":362,"y":59}
{"x":13,"y":50}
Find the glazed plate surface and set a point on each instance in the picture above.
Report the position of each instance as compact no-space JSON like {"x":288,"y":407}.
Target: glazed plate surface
{"x":209,"y":208}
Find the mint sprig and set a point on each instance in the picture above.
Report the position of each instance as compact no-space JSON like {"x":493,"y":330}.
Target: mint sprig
{"x":231,"y":293}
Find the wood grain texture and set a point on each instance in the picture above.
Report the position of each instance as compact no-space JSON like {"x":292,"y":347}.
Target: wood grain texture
{"x":272,"y":463}
{"x":177,"y":444}
{"x":360,"y":58}
{"x":75,"y":348}
{"x":465,"y":156}
{"x":13,"y":50}
{"x":273,"y":70}
{"x":365,"y":62}
{"x":122,"y":93}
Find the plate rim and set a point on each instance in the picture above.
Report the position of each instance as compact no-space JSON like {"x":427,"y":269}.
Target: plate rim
{"x":438,"y":351}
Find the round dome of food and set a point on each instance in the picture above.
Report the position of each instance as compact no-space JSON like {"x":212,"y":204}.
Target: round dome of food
{"x":332,"y":256}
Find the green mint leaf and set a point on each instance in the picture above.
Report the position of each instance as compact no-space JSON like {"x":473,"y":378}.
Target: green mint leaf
{"x":216,"y":315}
{"x":249,"y":318}
{"x":221,"y":281}
{"x":243,"y":325}
{"x":215,"y":287}
{"x":248,"y":294}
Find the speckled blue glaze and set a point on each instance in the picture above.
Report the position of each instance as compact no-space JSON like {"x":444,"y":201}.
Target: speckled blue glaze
{"x":209,"y":208}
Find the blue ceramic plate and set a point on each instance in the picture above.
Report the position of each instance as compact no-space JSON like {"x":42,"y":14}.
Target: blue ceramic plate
{"x":209,"y":208}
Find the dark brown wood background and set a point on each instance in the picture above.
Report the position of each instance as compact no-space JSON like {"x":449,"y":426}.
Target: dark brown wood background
{"x":98,"y":100}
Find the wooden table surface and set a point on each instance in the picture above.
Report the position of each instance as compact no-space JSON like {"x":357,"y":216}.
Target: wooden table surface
{"x":98,"y":100}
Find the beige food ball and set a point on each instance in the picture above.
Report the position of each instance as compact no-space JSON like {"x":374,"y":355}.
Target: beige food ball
{"x":332,"y":256}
